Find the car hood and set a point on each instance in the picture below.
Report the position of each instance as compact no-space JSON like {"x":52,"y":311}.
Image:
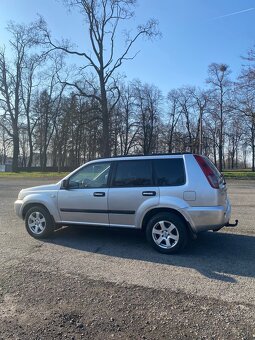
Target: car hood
{"x":38,"y":189}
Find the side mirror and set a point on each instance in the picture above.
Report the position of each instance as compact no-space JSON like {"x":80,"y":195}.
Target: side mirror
{"x":65,"y":184}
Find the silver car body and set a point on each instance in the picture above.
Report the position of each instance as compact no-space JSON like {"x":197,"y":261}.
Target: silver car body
{"x":203,"y":207}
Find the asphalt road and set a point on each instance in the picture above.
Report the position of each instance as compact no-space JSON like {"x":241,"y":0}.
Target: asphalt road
{"x":217,"y":265}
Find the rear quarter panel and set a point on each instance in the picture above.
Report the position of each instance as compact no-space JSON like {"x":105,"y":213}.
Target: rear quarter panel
{"x":196,"y":182}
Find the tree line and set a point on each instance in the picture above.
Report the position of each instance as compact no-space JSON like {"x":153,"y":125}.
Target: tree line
{"x":58,"y":114}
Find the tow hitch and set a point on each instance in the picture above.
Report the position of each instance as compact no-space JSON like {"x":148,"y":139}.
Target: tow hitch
{"x":232,"y":224}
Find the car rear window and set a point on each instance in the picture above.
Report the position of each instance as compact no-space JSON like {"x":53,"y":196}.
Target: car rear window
{"x":169,"y":172}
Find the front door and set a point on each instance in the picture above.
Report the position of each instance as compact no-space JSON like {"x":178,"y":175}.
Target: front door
{"x":84,"y":201}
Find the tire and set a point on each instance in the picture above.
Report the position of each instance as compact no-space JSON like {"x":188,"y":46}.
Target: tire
{"x":167,"y":233}
{"x":39,"y":223}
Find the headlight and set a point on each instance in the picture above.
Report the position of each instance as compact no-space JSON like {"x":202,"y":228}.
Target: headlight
{"x":21,"y":195}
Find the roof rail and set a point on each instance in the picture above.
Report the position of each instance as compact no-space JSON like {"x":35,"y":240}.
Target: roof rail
{"x":151,"y":154}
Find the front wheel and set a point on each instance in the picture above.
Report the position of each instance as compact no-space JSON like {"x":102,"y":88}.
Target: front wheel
{"x":167,"y":233}
{"x":39,"y":222}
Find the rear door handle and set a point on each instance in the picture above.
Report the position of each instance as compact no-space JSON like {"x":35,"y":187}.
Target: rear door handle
{"x":149,"y":193}
{"x":99,"y":194}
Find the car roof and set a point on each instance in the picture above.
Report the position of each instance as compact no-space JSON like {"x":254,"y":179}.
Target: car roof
{"x":140,"y":157}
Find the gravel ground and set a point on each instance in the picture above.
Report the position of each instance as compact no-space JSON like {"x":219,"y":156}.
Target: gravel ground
{"x":95,"y":283}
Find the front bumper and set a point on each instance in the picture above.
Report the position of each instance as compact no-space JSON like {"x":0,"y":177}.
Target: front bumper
{"x":18,"y":208}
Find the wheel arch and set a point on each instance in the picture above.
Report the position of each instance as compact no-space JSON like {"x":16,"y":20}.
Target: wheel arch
{"x":35,"y":204}
{"x":155,"y":211}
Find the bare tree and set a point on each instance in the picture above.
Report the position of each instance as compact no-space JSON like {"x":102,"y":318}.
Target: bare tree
{"x":28,"y":90}
{"x":126,"y":121}
{"x":5,"y":143}
{"x":245,"y":91}
{"x":234,"y":133}
{"x":148,"y":99}
{"x":190,"y":117}
{"x":103,"y":18}
{"x":23,"y":38}
{"x":174,"y":114}
{"x":47,"y":108}
{"x":201,"y":101}
{"x":220,"y":86}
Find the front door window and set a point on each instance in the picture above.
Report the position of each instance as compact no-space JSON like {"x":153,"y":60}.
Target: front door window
{"x":91,"y":176}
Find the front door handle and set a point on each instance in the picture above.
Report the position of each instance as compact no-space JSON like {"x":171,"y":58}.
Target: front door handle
{"x":99,"y":194}
{"x":149,"y":193}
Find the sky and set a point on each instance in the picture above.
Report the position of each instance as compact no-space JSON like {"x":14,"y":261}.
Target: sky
{"x":195,"y":33}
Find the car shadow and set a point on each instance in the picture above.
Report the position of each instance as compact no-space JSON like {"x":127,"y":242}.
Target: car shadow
{"x":215,"y":255}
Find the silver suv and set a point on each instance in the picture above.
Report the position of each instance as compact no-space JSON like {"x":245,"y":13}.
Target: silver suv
{"x":171,"y":197}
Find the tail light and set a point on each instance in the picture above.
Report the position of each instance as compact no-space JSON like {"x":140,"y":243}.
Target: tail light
{"x":211,"y":174}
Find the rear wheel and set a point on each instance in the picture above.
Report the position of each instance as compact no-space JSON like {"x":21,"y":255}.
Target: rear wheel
{"x":39,"y":222}
{"x":167,"y":233}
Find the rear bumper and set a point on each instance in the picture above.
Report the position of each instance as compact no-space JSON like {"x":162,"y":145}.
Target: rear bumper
{"x":209,"y":218}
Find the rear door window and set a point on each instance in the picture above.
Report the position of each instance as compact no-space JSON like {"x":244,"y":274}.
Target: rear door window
{"x":133,"y":174}
{"x":169,"y":172}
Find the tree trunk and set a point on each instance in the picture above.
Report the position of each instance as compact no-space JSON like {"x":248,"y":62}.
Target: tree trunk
{"x":31,"y":153}
{"x":105,"y":143}
{"x":15,"y":162}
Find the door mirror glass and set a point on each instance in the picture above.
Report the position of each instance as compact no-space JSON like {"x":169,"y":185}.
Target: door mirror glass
{"x":65,"y":184}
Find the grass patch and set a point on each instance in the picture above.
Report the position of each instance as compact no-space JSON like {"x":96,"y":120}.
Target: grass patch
{"x":239,"y":174}
{"x":28,"y":175}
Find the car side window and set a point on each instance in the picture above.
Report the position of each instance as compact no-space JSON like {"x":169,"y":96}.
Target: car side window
{"x":133,"y":174}
{"x":91,"y":176}
{"x":169,"y":172}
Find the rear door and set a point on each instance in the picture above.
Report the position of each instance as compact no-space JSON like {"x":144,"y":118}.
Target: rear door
{"x":132,"y":190}
{"x":171,"y":180}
